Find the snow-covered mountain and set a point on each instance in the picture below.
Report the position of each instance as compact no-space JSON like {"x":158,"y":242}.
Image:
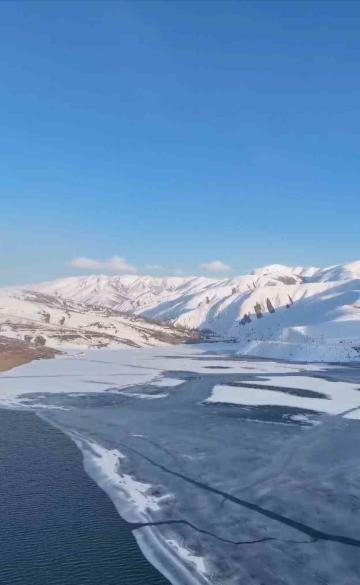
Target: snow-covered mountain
{"x":129,"y":293}
{"x":303,"y":311}
{"x":41,"y":318}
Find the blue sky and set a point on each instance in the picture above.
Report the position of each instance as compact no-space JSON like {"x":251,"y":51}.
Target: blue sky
{"x":176,"y":134}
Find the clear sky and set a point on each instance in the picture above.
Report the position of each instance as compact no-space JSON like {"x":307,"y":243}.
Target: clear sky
{"x":172,"y":134}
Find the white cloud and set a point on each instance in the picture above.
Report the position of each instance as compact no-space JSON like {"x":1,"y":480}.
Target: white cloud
{"x":114,"y":264}
{"x":215,"y":266}
{"x":84,"y":262}
{"x":157,"y":267}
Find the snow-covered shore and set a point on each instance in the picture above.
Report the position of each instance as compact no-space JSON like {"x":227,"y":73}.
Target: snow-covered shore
{"x":312,"y":350}
{"x":135,"y":501}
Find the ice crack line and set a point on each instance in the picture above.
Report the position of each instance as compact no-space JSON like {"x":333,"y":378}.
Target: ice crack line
{"x":203,"y":531}
{"x":299,"y":526}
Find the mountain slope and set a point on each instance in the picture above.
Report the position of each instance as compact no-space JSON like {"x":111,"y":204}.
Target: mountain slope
{"x":123,"y":293}
{"x":41,"y":318}
{"x":298,"y":306}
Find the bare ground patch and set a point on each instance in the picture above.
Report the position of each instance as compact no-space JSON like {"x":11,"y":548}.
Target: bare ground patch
{"x":14,"y":352}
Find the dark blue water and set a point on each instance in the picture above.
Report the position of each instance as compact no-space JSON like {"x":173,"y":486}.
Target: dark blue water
{"x":57,"y":527}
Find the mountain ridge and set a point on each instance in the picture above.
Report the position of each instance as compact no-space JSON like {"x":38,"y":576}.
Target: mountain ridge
{"x":315,"y":310}
{"x":275,"y":311}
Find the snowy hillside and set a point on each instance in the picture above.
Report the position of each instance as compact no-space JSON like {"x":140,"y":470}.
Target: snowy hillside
{"x":41,"y":318}
{"x":301,"y":310}
{"x":123,"y":293}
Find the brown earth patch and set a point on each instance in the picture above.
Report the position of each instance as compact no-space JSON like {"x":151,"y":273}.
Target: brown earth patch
{"x":14,"y":352}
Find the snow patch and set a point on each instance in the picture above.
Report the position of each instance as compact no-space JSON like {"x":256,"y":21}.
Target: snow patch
{"x":188,"y":556}
{"x":339,"y":397}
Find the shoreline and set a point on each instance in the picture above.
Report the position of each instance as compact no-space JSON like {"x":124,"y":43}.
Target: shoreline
{"x":16,"y":352}
{"x":151,"y":544}
{"x":155,"y":549}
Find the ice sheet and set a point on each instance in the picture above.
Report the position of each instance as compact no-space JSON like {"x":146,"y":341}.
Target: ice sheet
{"x":339,"y":397}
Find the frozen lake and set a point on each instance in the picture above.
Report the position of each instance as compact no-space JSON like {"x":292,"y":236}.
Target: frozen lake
{"x":57,"y":527}
{"x":230,"y":470}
